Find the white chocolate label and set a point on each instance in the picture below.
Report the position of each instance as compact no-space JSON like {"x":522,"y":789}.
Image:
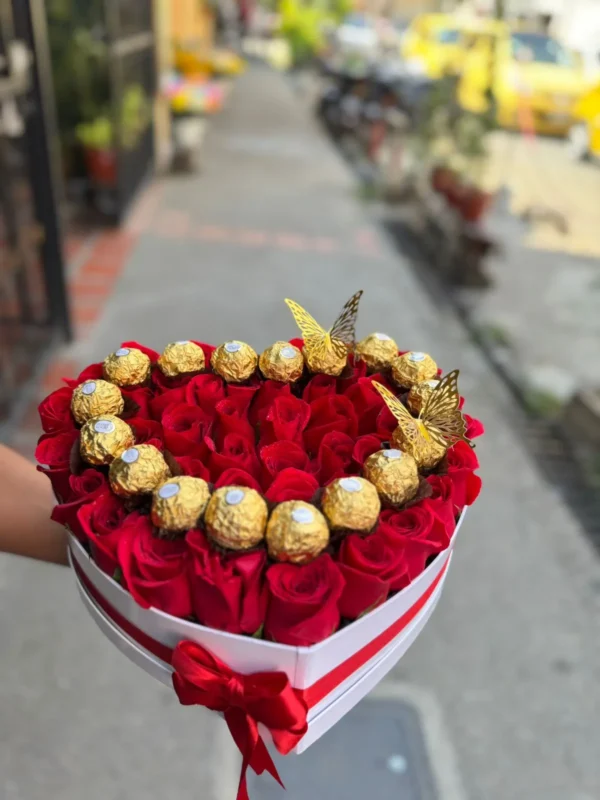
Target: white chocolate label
{"x":383,"y":337}
{"x":416,"y":357}
{"x":104,"y":426}
{"x":350,"y":484}
{"x":183,"y":341}
{"x":288,"y":352}
{"x":392,"y":454}
{"x":233,"y":347}
{"x":433,"y":384}
{"x":122,"y":351}
{"x":168,"y":490}
{"x":131,"y":455}
{"x":89,"y":387}
{"x":302,"y":515}
{"x":234,"y":497}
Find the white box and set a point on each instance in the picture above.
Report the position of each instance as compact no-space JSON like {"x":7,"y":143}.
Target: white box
{"x":334,"y":674}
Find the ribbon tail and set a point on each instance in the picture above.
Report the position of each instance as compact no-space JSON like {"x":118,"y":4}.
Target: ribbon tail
{"x":254,"y":751}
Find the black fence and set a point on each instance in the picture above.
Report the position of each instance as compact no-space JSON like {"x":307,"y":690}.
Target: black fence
{"x":33,"y":302}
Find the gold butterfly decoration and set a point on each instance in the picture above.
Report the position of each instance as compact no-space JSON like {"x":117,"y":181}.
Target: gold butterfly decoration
{"x":340,"y":337}
{"x":440,"y":419}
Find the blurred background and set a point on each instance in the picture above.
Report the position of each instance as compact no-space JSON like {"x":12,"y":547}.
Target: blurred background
{"x":174,"y":168}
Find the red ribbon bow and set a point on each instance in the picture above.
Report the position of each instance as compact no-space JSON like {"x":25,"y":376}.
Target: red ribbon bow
{"x":245,"y":700}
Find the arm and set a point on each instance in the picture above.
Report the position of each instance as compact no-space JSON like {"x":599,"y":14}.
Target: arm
{"x":26,"y":502}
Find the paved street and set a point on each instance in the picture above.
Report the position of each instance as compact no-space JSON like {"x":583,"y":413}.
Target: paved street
{"x":511,"y":658}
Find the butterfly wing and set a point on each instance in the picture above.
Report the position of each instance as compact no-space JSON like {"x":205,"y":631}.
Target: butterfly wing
{"x":343,"y":330}
{"x":403,"y":416}
{"x":313,"y":334}
{"x":441,"y":415}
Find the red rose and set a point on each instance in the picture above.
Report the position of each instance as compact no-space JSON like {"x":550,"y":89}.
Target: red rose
{"x":441,"y":502}
{"x":279,"y":456}
{"x":474,"y":427}
{"x":55,"y":411}
{"x":92,"y":373}
{"x":330,"y":413}
{"x":208,"y":349}
{"x":465,"y":484}
{"x":286,"y":419}
{"x":152,"y":354}
{"x":385,"y":424}
{"x":319,"y":386}
{"x":161,"y":383}
{"x":372,"y":567}
{"x":155,"y":570}
{"x":84,"y":489}
{"x":418,"y":531}
{"x":193,"y":467}
{"x":163,"y":401}
{"x":367,"y":402}
{"x":303,"y":601}
{"x":232,"y":417}
{"x":228,"y":591}
{"x":54,"y":450}
{"x":244,"y":392}
{"x":147,"y":431}
{"x":237,"y":477}
{"x":366,"y":446}
{"x":299,"y":343}
{"x":186,"y":429}
{"x":264,"y":398}
{"x":353,"y":373}
{"x":335,"y":457}
{"x":205,"y":391}
{"x":292,"y":484}
{"x":102,"y":523}
{"x":137,"y":402}
{"x":236,"y":451}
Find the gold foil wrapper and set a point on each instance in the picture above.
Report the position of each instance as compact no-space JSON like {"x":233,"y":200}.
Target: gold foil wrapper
{"x":127,"y":366}
{"x":236,"y":517}
{"x":234,"y":361}
{"x":427,"y":453}
{"x":394,"y":474}
{"x":419,"y":393}
{"x":138,"y":470}
{"x":413,"y":367}
{"x":95,"y":397}
{"x":282,"y":362}
{"x":178,"y":504}
{"x":103,"y":438}
{"x":325,"y":361}
{"x":351,"y":504}
{"x":296,"y":532}
{"x":378,"y":350}
{"x":181,"y":358}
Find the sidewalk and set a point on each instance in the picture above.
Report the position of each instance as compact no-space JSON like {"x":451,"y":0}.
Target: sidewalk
{"x":512,"y":654}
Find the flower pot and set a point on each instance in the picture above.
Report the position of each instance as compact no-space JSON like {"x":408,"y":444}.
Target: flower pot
{"x":442,"y":178}
{"x":475,"y":204}
{"x":101,"y":165}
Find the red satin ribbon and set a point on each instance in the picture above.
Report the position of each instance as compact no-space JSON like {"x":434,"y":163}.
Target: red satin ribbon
{"x":245,"y":700}
{"x":200,"y":678}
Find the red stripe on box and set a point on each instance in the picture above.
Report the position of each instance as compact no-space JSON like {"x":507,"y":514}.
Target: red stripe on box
{"x":319,"y":690}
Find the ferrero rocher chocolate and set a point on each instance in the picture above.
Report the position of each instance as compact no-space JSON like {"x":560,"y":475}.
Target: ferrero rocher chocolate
{"x":234,"y":361}
{"x":95,"y":397}
{"x":394,"y":474}
{"x":351,"y":504}
{"x":127,"y":366}
{"x":413,"y":367}
{"x":103,"y":438}
{"x":426,"y":453}
{"x":181,"y":358}
{"x":419,"y":393}
{"x":138,"y":470}
{"x":377,"y":350}
{"x":296,"y":532}
{"x":178,"y":504}
{"x":282,"y":362}
{"x":236,"y":517}
{"x":327,"y":361}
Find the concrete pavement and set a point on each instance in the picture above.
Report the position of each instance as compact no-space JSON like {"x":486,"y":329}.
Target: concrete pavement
{"x":512,"y":655}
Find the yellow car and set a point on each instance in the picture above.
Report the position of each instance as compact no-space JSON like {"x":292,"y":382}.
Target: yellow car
{"x":584,"y":135}
{"x":528,"y":80}
{"x":432,"y":44}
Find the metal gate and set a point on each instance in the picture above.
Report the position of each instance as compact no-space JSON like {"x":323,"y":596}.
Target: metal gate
{"x":33,"y":302}
{"x":130,"y":39}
